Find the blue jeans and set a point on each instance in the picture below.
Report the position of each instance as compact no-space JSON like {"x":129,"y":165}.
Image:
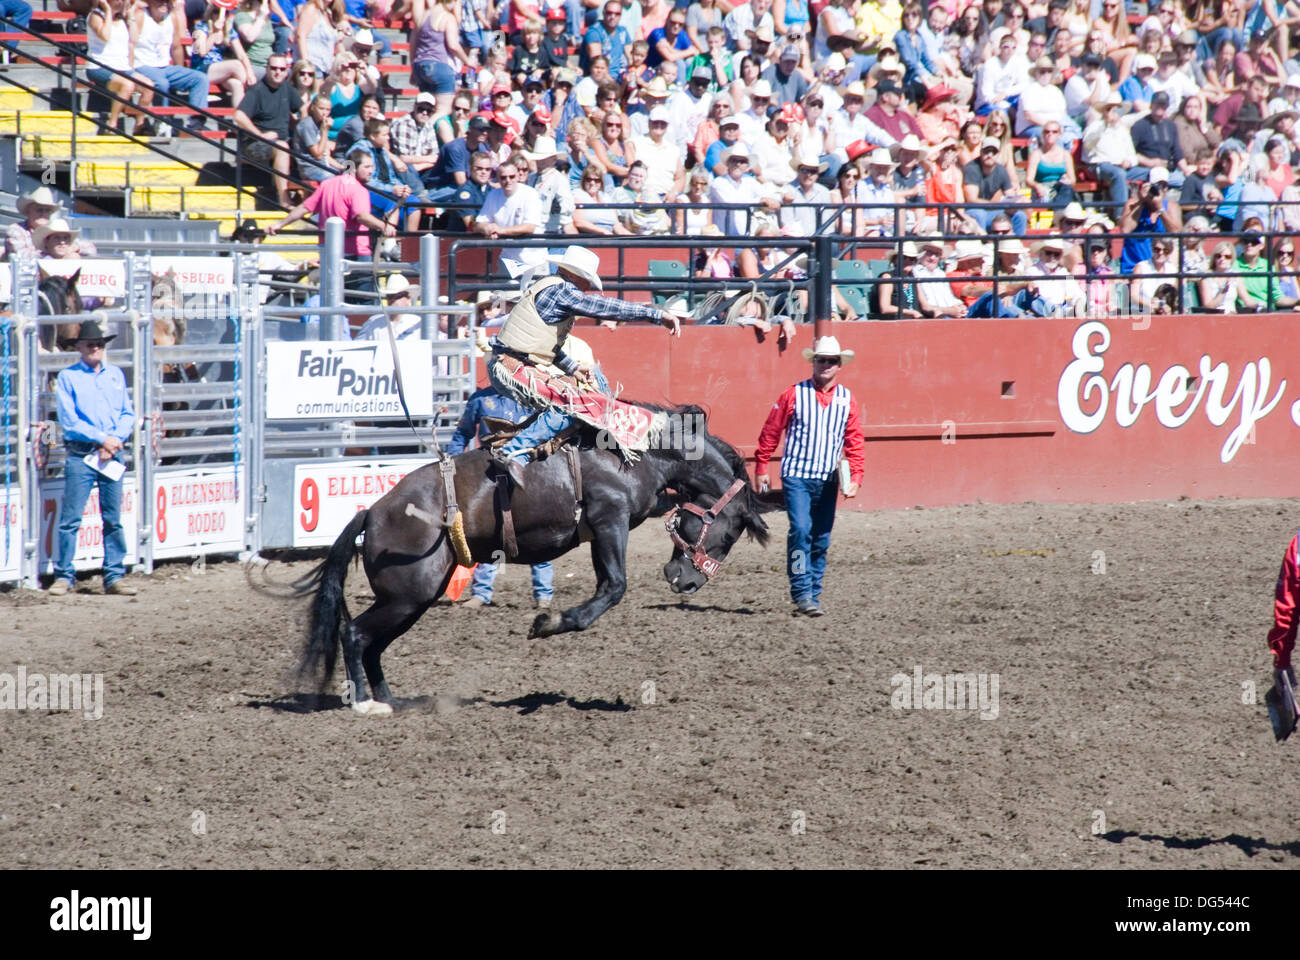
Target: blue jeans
{"x":283,"y":37}
{"x":986,"y":215}
{"x":987,"y":306}
{"x":20,"y":13}
{"x":432,"y":76}
{"x":485,"y":575}
{"x":1117,"y":179}
{"x":810,"y":505}
{"x":78,"y":481}
{"x":182,"y":80}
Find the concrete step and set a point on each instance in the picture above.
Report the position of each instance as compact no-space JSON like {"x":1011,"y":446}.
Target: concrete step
{"x":55,"y":147}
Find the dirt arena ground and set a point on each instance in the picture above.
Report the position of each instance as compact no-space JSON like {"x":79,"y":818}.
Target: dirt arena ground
{"x":1120,"y":739}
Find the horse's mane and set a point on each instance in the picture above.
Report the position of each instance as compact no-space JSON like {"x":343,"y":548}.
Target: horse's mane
{"x":755,"y":526}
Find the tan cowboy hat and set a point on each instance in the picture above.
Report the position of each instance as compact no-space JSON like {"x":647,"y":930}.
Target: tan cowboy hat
{"x":41,"y":196}
{"x":827,"y":347}
{"x":657,"y":88}
{"x":969,"y":250}
{"x":56,"y":225}
{"x":545,"y":149}
{"x":580,"y":262}
{"x":1012,"y":246}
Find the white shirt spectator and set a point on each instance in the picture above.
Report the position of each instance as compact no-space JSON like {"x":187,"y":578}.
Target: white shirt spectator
{"x":999,"y":80}
{"x":661,"y":162}
{"x":752,"y":125}
{"x":773,"y":160}
{"x":1057,"y":294}
{"x":1044,"y":101}
{"x":740,"y":20}
{"x":938,"y":295}
{"x":1108,"y":144}
{"x":728,"y":189}
{"x":1178,"y":85}
{"x":687,"y":113}
{"x":1078,"y":92}
{"x":404,"y":325}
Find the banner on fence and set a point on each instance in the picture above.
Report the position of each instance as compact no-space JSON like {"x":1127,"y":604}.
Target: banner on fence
{"x":329,"y":495}
{"x":196,"y":274}
{"x":89,"y":554}
{"x":197,"y":511}
{"x":98,"y":278}
{"x":345,"y":378}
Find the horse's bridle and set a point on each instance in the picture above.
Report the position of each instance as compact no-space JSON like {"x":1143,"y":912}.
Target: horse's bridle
{"x":700,"y":560}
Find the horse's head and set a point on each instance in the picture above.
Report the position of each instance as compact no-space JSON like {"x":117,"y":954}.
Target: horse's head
{"x":705,"y":528}
{"x":58,"y":296}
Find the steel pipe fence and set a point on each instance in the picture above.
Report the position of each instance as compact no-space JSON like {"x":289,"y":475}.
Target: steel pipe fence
{"x":202,"y":446}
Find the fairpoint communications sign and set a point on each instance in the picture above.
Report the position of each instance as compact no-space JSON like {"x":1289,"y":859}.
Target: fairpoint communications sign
{"x":347,"y":378}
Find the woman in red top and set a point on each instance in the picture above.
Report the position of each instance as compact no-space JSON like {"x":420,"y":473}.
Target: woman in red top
{"x":944,"y":185}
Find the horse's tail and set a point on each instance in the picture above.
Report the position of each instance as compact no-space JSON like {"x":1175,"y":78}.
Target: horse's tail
{"x":329,"y":609}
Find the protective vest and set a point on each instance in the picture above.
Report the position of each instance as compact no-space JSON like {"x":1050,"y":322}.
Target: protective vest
{"x":526,"y":332}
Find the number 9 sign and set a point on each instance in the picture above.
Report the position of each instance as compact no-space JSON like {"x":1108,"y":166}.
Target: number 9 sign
{"x":309,"y":500}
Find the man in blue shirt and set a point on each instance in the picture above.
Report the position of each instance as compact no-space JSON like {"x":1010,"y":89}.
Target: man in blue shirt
{"x":1137,"y":88}
{"x":97,"y":417}
{"x":488,"y":403}
{"x":608,"y":38}
{"x":451,"y":171}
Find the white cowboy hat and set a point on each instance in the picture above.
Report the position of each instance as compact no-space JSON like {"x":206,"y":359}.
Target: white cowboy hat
{"x":761,"y":88}
{"x":56,"y":225}
{"x":827,"y":347}
{"x":394,"y":285}
{"x":1012,"y":246}
{"x":41,"y":196}
{"x":581,"y":262}
{"x":545,"y":149}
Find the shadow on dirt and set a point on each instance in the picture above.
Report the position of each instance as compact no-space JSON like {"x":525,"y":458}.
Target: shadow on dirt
{"x":700,"y":608}
{"x":532,"y":702}
{"x":1250,"y":846}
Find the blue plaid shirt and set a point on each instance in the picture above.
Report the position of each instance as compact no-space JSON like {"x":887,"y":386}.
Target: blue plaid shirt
{"x":561,"y":301}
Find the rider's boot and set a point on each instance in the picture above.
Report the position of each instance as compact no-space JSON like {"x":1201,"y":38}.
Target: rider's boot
{"x":504,"y":459}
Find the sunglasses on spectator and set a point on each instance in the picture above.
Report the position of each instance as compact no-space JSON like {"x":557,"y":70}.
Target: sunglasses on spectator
{"x":271,"y":68}
{"x":828,"y":361}
{"x":307,"y":73}
{"x":810,"y":170}
{"x":1000,"y":233}
{"x":1223,"y":256}
{"x":507,"y":177}
{"x":424,"y":108}
{"x":94,"y":344}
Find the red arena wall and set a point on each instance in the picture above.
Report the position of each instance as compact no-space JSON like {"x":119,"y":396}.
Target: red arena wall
{"x":955,"y":411}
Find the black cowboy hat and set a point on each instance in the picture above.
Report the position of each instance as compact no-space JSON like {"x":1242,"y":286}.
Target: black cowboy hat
{"x":91,"y":330}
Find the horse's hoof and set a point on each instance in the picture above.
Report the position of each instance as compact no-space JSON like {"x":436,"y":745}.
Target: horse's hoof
{"x":545,"y":624}
{"x":372,"y":708}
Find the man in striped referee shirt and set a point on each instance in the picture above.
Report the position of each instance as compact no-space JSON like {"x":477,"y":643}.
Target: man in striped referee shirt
{"x":820,"y":420}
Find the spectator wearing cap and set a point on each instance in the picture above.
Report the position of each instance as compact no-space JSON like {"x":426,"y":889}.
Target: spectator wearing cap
{"x":1146,"y":213}
{"x":729,"y":136}
{"x":1288,"y":96}
{"x":739,"y":187}
{"x":760,"y":45}
{"x":672,"y":43}
{"x":1263,"y":292}
{"x":1003,"y":77}
{"x":663,"y":158}
{"x":1108,"y":147}
{"x":530,"y":100}
{"x":1010,"y":261}
{"x":747,"y":19}
{"x":690,"y":105}
{"x":1155,"y":138}
{"x":1137,"y":89}
{"x":986,"y":183}
{"x":608,"y":39}
{"x":414,"y":135}
{"x":788,"y":83}
{"x":1056,"y":292}
{"x":452,"y":167}
{"x":887,"y":112}
{"x":909,"y":174}
{"x":753,"y":119}
{"x":555,"y":43}
{"x":1088,"y":87}
{"x":536,"y":124}
{"x":1042,"y":103}
{"x":654,"y":94}
{"x":561,"y":102}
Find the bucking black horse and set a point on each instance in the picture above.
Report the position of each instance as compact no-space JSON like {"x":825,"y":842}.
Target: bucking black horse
{"x":407,"y":548}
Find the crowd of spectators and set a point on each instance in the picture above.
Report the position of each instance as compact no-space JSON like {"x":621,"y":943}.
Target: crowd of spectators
{"x":604,"y":117}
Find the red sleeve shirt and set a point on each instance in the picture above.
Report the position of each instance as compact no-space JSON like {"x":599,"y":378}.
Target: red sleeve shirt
{"x":1281,"y":639}
{"x":779,"y":417}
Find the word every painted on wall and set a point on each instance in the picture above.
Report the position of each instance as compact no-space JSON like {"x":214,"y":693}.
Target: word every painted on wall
{"x":1130,"y":390}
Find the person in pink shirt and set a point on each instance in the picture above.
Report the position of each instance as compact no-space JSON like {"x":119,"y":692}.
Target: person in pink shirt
{"x":345,"y":196}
